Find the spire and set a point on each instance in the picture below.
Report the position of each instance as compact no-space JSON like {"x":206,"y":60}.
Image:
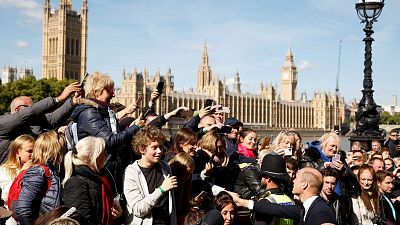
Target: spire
{"x":205,"y":54}
{"x":123,"y":74}
{"x":84,"y":4}
{"x":289,"y":55}
{"x":236,"y":83}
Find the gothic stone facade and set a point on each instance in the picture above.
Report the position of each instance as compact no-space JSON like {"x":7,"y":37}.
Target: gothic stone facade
{"x":64,"y":41}
{"x":265,"y":110}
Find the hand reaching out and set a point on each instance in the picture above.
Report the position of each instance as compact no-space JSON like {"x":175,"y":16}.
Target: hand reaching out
{"x":73,"y":87}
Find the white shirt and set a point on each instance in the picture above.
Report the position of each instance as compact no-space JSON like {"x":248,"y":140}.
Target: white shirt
{"x":307,"y":204}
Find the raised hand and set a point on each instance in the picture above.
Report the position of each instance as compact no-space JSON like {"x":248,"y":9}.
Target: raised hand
{"x":73,"y":87}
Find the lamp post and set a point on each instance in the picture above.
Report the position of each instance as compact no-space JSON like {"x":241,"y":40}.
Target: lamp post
{"x":367,"y":116}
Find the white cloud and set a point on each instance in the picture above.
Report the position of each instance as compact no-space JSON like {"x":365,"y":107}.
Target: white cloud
{"x":21,"y":44}
{"x":305,"y":65}
{"x":29,"y":8}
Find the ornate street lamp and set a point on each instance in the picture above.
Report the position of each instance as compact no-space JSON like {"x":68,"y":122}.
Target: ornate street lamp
{"x":367,"y":116}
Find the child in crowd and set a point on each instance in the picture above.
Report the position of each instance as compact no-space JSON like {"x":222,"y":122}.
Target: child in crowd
{"x":148,"y":182}
{"x":36,"y":196}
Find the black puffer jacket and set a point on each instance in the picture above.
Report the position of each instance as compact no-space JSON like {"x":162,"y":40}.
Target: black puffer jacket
{"x":94,"y":120}
{"x":83,"y":191}
{"x":248,"y":182}
{"x":33,"y":199}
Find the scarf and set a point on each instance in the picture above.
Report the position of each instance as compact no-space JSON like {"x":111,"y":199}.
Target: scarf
{"x":107,"y":202}
{"x":245,"y":151}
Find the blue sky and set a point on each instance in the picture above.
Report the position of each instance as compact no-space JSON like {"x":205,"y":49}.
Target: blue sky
{"x":249,"y":36}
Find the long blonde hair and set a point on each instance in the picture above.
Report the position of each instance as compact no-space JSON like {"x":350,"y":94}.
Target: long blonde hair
{"x":87,"y":151}
{"x":49,"y":146}
{"x":13,"y":164}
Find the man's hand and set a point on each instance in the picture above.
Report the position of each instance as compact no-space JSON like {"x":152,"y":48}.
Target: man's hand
{"x":73,"y":87}
{"x":154,"y":96}
{"x":217,"y":125}
{"x":175,"y":111}
{"x":139,"y":122}
{"x":169,"y":183}
{"x":238,"y":200}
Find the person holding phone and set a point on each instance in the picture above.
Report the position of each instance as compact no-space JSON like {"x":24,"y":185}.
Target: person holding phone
{"x":95,"y":118}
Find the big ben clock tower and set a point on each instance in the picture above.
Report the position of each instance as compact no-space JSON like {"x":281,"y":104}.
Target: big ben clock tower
{"x":289,"y":78}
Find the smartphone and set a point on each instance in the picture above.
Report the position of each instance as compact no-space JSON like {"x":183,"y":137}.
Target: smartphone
{"x":83,"y":81}
{"x":225,"y":129}
{"x":335,"y":157}
{"x":160,"y":87}
{"x":208,"y":102}
{"x":288,"y":151}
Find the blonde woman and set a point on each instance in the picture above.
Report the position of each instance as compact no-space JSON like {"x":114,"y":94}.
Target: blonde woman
{"x":284,"y":140}
{"x":19,"y":159}
{"x":95,"y":118}
{"x":83,"y":184}
{"x":40,"y":186}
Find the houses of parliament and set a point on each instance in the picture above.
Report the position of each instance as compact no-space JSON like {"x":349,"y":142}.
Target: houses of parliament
{"x":64,"y":56}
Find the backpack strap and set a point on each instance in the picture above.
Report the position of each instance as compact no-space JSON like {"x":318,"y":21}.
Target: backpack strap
{"x":47,"y":175}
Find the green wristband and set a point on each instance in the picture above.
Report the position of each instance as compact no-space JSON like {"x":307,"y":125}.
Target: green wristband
{"x":162,"y":190}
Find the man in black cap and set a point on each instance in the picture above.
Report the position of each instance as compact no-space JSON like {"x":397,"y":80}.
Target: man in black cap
{"x":232,"y":137}
{"x":274,"y":177}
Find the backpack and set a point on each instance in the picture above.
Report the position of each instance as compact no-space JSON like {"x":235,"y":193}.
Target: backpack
{"x":71,"y":135}
{"x":16,"y":188}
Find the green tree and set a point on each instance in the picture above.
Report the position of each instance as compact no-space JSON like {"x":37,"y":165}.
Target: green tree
{"x":29,"y":86}
{"x":384,"y":117}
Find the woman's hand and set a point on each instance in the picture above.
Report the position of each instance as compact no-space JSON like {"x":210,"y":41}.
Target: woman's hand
{"x":208,"y":169}
{"x":280,"y":151}
{"x":337,"y":165}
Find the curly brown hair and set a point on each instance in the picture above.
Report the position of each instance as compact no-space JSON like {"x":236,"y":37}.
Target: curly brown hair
{"x":144,"y":137}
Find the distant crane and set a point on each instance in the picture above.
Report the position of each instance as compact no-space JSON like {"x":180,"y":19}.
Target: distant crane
{"x":338,"y":67}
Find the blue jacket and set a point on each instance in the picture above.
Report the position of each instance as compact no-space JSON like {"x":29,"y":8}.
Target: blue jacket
{"x":93,"y":119}
{"x":33,"y":199}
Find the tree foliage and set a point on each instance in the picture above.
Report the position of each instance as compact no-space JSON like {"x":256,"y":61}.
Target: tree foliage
{"x":386,"y":118}
{"x":29,"y":86}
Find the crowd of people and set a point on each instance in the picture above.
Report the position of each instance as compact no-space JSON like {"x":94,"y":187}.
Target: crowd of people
{"x":78,"y":159}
